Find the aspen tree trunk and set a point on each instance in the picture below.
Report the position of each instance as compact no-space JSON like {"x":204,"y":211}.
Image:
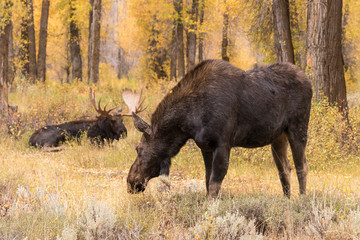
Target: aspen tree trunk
{"x":28,"y":48}
{"x":122,"y":66}
{"x":4,"y":60}
{"x":282,"y":34}
{"x":191,"y":36}
{"x":173,"y":53}
{"x":324,"y":51}
{"x":95,"y":41}
{"x":32,"y":43}
{"x":41,"y":66}
{"x":180,"y":39}
{"x":11,"y":55}
{"x":90,"y":37}
{"x":24,"y":46}
{"x":201,"y":34}
{"x":119,"y":68}
{"x":225,"y":37}
{"x":75,"y":46}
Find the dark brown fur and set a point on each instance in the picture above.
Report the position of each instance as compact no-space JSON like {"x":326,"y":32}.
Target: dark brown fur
{"x":220,"y":107}
{"x":103,"y":128}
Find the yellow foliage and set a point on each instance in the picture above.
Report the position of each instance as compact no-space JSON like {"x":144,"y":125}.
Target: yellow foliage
{"x":352,"y":38}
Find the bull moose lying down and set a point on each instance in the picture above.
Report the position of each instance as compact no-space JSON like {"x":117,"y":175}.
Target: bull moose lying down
{"x":107,"y":126}
{"x":220,"y":106}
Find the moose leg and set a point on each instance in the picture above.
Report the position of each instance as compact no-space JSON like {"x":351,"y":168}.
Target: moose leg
{"x":298,"y":144}
{"x":219,"y":169}
{"x":279,"y":152}
{"x":208,"y":159}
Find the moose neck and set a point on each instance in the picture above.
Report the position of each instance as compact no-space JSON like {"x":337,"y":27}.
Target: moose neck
{"x":171,"y":142}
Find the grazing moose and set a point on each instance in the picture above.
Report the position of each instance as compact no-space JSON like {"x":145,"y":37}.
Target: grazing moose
{"x":107,"y":126}
{"x":220,"y":106}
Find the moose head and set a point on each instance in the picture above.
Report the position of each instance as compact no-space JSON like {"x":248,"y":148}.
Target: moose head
{"x":146,"y":165}
{"x":109,"y":122}
{"x":153,"y":154}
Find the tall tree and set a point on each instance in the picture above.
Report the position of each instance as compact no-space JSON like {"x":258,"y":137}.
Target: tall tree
{"x":5,"y":27}
{"x":201,"y":34}
{"x":122,"y":68}
{"x":191,"y":36}
{"x":225,"y":34}
{"x":11,"y":56}
{"x":178,"y":4}
{"x":95,"y":42}
{"x":75,"y":45}
{"x":324,"y":51}
{"x":90,"y":37}
{"x":173,"y":53}
{"x":28,"y":48}
{"x":282,"y":35}
{"x":41,"y":65}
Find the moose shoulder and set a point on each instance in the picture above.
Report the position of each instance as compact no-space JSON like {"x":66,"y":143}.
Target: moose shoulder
{"x":220,"y":107}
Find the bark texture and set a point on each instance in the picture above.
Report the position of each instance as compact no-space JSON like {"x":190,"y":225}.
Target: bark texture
{"x":180,"y":38}
{"x":201,"y":34}
{"x":225,"y":36}
{"x":324,"y":51}
{"x":173,"y":53}
{"x":191,"y":36}
{"x":5,"y":28}
{"x":75,"y":52}
{"x":41,"y":65}
{"x":11,"y":66}
{"x":282,"y":35}
{"x":95,"y":42}
{"x":28,"y":48}
{"x":90,"y":38}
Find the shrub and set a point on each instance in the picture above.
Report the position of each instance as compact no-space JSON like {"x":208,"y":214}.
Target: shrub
{"x":97,"y":221}
{"x":228,"y":226}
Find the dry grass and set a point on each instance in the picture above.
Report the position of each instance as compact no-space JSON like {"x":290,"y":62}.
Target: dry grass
{"x":80,"y":192}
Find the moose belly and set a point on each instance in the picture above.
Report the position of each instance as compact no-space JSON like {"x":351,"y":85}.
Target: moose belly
{"x":256,"y":136}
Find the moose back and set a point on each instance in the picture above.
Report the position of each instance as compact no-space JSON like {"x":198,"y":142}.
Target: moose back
{"x":220,"y":106}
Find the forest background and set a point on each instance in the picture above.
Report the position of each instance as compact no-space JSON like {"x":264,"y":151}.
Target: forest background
{"x":152,"y":40}
{"x":51,"y":51}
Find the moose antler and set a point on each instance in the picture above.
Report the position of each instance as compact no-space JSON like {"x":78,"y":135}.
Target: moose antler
{"x":133,"y":101}
{"x":102,"y":112}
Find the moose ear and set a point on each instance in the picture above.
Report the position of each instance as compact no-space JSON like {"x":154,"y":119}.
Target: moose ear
{"x":141,"y":125}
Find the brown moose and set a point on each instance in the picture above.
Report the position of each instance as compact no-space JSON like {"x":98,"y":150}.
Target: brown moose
{"x":220,"y":106}
{"x":107,"y":126}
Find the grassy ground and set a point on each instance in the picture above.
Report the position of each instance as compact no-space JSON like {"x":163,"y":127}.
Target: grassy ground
{"x":80,"y":192}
